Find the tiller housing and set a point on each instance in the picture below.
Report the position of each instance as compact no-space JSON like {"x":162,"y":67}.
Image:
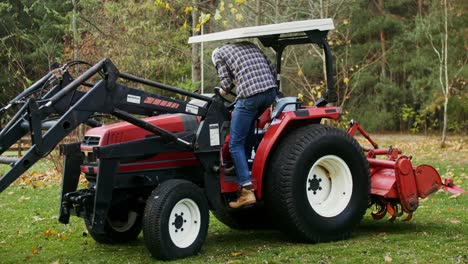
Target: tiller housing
{"x":397,"y":185}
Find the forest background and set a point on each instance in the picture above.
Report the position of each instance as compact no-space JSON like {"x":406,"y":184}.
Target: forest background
{"x":400,"y":65}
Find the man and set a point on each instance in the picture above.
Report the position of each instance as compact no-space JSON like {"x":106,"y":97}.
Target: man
{"x":244,"y":66}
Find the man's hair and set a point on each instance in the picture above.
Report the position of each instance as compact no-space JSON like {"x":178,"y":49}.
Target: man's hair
{"x":213,"y":56}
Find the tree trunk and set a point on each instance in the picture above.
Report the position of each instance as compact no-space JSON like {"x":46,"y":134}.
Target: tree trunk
{"x":383,"y":60}
{"x":75,"y":32}
{"x":82,"y":128}
{"x":258,"y":9}
{"x":446,"y":87}
{"x":277,"y":3}
{"x":195,"y":47}
{"x":420,"y":7}
{"x":444,"y":129}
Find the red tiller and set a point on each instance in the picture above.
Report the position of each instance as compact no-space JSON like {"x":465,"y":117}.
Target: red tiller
{"x":397,"y":185}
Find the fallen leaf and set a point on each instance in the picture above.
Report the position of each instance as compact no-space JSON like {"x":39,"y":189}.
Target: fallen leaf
{"x":236,"y":254}
{"x":22,"y":199}
{"x":388,"y":259}
{"x":50,"y":232}
{"x":61,"y":236}
{"x":37,"y":218}
{"x":35,"y":251}
{"x":454,"y":196}
{"x":10,"y":193}
{"x":454,"y":221}
{"x":55,"y":262}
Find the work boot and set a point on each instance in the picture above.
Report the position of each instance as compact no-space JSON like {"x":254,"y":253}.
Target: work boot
{"x":247,"y":197}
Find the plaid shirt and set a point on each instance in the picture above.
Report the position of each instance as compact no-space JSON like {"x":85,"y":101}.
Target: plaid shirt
{"x":244,"y":66}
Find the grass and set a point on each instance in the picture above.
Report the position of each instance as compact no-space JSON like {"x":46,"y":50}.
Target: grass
{"x":438,"y":233}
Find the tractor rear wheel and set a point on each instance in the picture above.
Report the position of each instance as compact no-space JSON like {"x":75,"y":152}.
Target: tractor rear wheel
{"x":121,"y":226}
{"x":318,"y":184}
{"x":175,"y":223}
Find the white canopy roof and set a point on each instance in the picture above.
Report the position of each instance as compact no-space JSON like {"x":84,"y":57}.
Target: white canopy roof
{"x":266,"y":30}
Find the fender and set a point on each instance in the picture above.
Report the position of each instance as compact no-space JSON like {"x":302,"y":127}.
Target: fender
{"x":308,"y":114}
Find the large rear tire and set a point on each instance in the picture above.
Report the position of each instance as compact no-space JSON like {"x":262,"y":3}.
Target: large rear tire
{"x":317,"y":185}
{"x":175,"y":223}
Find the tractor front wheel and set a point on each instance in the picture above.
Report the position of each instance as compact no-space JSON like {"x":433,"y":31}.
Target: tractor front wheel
{"x":175,"y":223}
{"x":318,"y":184}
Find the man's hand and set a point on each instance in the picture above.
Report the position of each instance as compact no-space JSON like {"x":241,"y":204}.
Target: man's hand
{"x":222,"y":92}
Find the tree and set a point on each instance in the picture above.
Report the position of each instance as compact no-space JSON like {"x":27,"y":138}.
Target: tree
{"x":147,"y":38}
{"x":31,"y":41}
{"x":440,"y":46}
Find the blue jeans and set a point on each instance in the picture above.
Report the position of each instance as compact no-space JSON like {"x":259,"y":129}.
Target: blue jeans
{"x":242,"y":129}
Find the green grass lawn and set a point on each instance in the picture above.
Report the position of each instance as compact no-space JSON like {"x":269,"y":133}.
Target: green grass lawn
{"x":438,"y":233}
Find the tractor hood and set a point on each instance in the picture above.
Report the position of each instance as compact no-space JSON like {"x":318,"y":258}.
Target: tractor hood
{"x":124,"y":131}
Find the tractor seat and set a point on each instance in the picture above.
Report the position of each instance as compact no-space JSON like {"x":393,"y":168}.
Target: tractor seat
{"x":285,"y":104}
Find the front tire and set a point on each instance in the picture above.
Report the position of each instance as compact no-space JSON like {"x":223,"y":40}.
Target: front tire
{"x":318,"y":184}
{"x":175,"y":223}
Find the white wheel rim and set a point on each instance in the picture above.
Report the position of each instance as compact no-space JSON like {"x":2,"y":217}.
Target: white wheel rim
{"x":184,"y":223}
{"x":329,"y":186}
{"x":124,"y":226}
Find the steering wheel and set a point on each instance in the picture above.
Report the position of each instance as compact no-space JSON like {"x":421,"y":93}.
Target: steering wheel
{"x":227,"y":103}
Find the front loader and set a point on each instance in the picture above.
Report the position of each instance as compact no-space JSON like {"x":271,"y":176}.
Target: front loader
{"x":163,"y":173}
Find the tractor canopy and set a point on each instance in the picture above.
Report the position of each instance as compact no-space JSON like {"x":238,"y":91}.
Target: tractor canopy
{"x":278,"y":37}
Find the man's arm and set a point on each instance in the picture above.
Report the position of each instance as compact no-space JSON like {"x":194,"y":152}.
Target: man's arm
{"x":225,"y":76}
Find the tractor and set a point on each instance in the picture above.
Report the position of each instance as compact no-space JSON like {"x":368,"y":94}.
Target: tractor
{"x":162,"y":169}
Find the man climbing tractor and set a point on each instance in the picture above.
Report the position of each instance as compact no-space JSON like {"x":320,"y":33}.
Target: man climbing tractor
{"x":244,"y":66}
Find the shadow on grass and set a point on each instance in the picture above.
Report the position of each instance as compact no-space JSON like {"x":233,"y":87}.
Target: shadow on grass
{"x":244,"y":237}
{"x":222,"y":242}
{"x":374,"y":227}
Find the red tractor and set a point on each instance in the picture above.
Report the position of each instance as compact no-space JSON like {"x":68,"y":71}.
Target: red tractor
{"x":163,"y":174}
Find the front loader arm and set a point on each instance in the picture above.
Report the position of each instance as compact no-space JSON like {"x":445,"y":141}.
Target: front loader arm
{"x":76,"y":107}
{"x":43,"y":144}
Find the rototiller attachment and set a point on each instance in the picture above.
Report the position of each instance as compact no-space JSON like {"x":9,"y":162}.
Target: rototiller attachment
{"x":397,"y":185}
